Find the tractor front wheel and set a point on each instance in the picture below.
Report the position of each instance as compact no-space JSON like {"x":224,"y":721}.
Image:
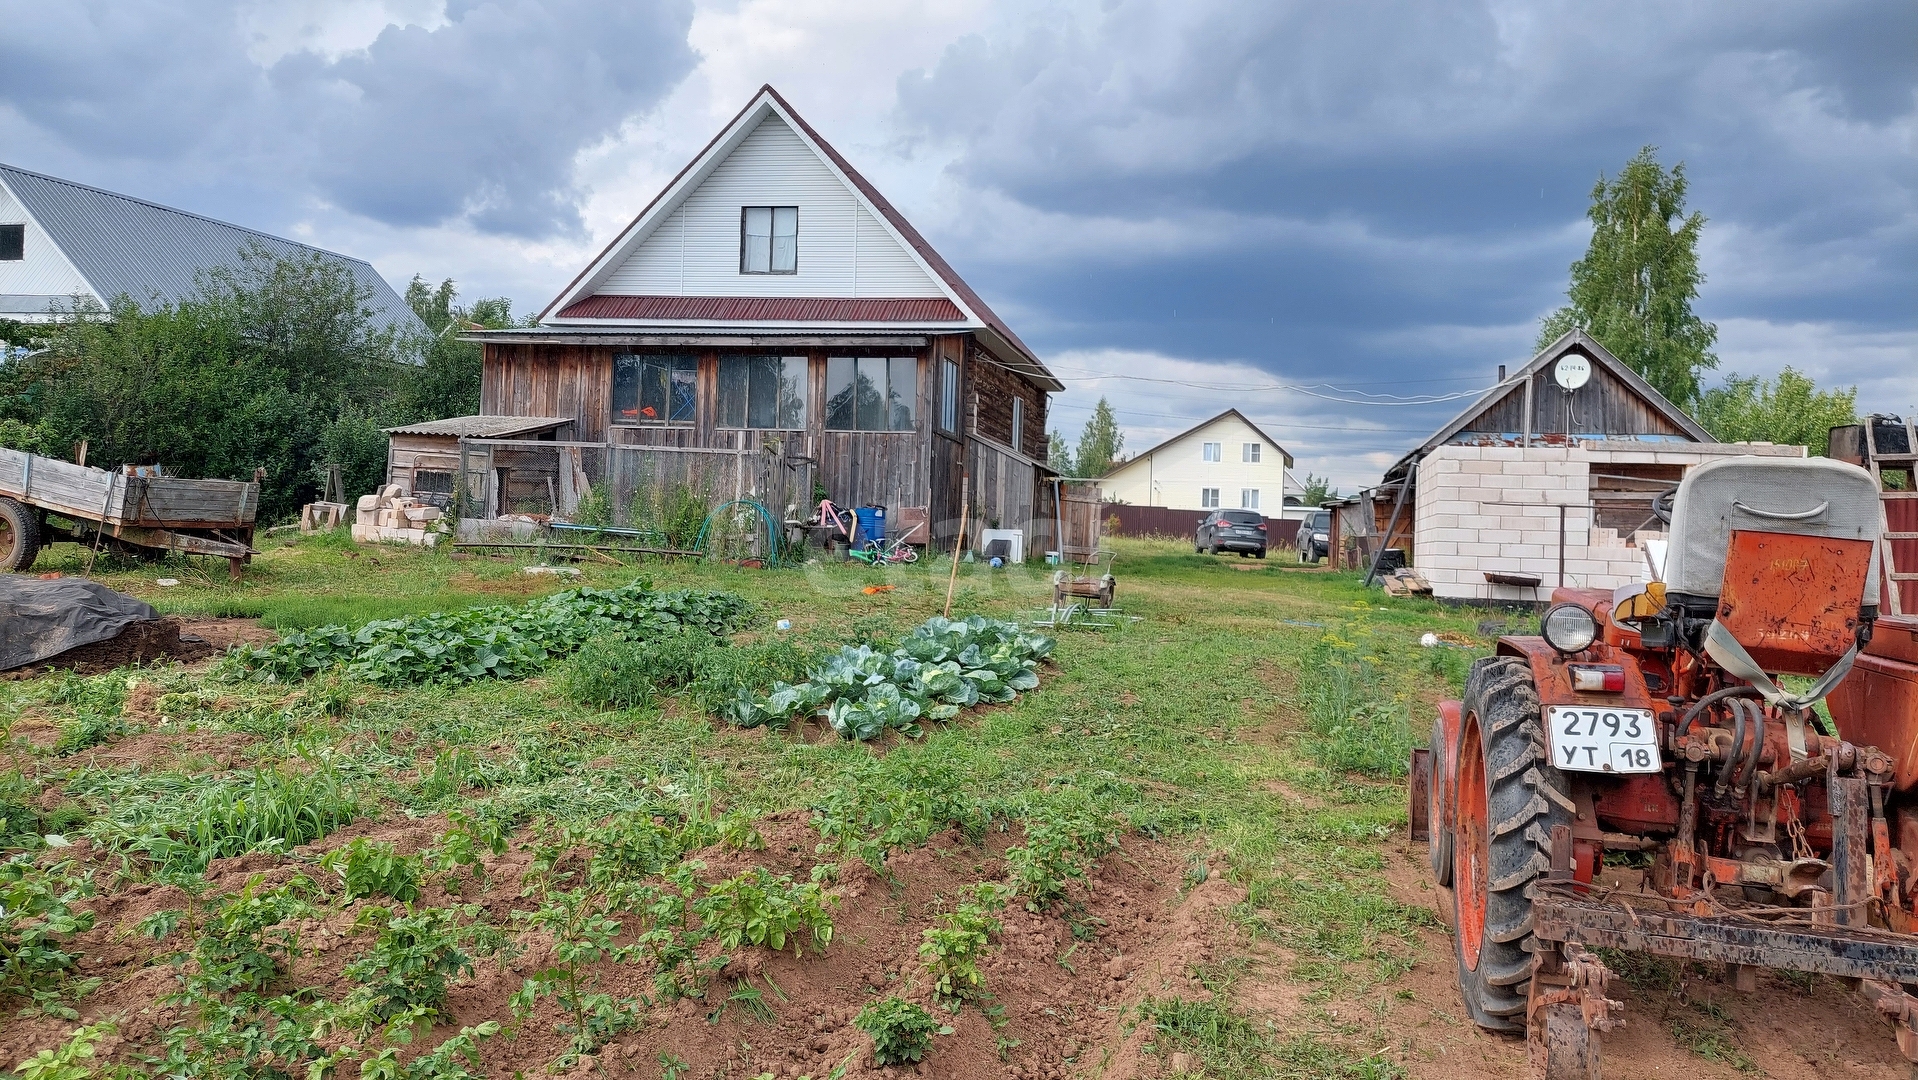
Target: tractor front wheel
{"x":1509,"y":798}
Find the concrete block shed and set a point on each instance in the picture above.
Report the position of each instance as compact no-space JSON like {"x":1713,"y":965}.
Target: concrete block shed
{"x":1546,"y":480}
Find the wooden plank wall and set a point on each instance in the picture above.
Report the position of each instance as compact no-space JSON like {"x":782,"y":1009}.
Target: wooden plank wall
{"x":1004,"y":496}
{"x":1605,"y":405}
{"x":532,"y":482}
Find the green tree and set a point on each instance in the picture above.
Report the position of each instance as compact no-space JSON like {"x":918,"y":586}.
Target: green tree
{"x":1318,"y":490}
{"x":448,"y":380}
{"x":1790,"y":410}
{"x":250,"y":371}
{"x":1058,"y":451}
{"x":1634,"y":288}
{"x":1100,"y":445}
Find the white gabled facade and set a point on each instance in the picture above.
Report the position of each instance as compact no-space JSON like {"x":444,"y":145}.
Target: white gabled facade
{"x":844,"y":251}
{"x":1224,"y":463}
{"x":43,"y":278}
{"x":686,"y":243}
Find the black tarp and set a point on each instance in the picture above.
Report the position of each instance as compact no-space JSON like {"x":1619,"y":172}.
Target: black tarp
{"x":40,"y":618}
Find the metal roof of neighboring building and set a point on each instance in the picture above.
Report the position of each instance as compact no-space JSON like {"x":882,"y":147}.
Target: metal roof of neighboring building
{"x":482,"y":427}
{"x":123,"y":245}
{"x":767,"y":309}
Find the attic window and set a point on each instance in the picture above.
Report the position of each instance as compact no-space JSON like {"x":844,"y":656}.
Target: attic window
{"x":13,"y":243}
{"x":769,"y":239}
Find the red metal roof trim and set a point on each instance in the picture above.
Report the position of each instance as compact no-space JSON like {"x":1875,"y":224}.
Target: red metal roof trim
{"x":767,"y":309}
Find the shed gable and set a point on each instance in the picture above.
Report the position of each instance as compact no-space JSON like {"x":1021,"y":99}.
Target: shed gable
{"x":844,"y":251}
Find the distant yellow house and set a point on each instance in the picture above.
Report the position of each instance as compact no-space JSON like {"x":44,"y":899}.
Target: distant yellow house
{"x":1225,"y":462}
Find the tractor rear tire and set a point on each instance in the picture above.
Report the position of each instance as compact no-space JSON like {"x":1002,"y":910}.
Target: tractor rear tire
{"x":1509,"y":798}
{"x":19,"y":535}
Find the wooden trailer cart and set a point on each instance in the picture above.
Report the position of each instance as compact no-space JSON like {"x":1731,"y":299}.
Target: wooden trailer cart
{"x":42,"y":496}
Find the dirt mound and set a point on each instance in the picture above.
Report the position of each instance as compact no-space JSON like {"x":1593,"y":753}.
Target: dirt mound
{"x":1059,"y":981}
{"x":186,"y":640}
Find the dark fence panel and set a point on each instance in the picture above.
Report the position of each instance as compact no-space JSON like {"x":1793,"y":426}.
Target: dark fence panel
{"x":1124,"y":520}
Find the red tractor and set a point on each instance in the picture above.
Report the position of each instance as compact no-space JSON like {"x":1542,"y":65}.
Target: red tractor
{"x":1644,"y":776}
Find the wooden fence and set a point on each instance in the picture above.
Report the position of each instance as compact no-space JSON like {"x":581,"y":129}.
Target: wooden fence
{"x":625,"y":484}
{"x":1123,"y":519}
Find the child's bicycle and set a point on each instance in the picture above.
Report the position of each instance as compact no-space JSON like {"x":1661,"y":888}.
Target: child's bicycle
{"x":888,"y":552}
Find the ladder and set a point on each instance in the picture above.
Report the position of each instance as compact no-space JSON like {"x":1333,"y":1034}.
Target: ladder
{"x":1887,"y":447}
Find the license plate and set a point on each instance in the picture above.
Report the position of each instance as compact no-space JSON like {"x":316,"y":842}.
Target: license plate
{"x":1587,"y":739}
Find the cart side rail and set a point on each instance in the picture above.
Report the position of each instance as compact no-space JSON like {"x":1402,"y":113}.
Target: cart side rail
{"x":62,"y":487}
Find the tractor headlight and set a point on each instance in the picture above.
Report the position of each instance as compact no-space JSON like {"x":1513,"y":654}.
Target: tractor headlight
{"x":1569,"y":628}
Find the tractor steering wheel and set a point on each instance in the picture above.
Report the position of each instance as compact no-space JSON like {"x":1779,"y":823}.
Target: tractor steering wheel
{"x":1662,"y":504}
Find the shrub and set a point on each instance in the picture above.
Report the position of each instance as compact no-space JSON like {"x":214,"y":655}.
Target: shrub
{"x":901,"y":1031}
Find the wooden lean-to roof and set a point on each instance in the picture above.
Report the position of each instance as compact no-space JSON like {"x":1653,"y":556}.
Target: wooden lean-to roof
{"x":1513,"y":387}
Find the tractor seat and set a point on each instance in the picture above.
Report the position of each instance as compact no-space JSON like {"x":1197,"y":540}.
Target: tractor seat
{"x":1798,"y":496}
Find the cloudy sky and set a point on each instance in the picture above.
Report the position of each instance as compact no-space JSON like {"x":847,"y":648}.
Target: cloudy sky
{"x":1181,"y":205}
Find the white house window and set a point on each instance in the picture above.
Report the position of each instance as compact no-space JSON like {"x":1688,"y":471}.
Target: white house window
{"x":762,"y":392}
{"x":769,"y":239}
{"x":949,"y":396}
{"x":655,"y":389}
{"x":1210,"y":452}
{"x":1018,"y":424}
{"x":1251,"y":453}
{"x":871,"y":393}
{"x":1209,"y":497}
{"x":13,"y":243}
{"x":1249,"y":498}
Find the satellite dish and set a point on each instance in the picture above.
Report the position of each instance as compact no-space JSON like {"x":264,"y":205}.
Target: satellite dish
{"x":1573,"y":371}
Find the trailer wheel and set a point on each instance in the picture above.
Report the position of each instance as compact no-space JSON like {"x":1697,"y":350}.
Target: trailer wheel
{"x":19,"y":535}
{"x":1508,"y":799}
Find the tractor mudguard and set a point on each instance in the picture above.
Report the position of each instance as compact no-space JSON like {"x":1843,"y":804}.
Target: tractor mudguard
{"x":1441,"y":794}
{"x":1551,"y":673}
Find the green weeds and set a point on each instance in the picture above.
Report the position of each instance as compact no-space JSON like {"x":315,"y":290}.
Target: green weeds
{"x":373,"y":868}
{"x":37,"y":917}
{"x":191,"y":822}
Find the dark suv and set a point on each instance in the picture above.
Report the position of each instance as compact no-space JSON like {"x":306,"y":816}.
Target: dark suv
{"x":1242,"y":531}
{"x":1315,"y":536}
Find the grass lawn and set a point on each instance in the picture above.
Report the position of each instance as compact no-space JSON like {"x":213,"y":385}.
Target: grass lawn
{"x":1246,"y":737}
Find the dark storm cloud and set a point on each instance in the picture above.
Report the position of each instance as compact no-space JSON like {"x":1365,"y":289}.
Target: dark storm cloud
{"x":479,"y":118}
{"x":1479,"y":126}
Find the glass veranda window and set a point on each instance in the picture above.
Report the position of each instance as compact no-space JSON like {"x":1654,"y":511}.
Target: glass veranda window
{"x":872,"y":393}
{"x":762,"y":392}
{"x":768,"y":239}
{"x":655,"y":389}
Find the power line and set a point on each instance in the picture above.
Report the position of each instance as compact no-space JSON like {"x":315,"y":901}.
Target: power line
{"x":1307,"y":389}
{"x":1285,"y":426}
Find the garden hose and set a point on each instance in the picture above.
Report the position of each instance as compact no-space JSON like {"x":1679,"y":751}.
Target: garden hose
{"x":772,"y":528}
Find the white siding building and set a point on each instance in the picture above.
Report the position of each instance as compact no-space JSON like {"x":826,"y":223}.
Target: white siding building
{"x":1225,"y":462}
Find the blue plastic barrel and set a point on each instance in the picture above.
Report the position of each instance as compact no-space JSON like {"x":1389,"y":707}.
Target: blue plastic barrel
{"x":872,"y":523}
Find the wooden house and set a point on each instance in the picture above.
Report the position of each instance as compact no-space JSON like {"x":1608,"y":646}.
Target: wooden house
{"x":770,"y":326}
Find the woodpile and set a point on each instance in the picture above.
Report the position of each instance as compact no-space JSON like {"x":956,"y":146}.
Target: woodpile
{"x":389,"y":516}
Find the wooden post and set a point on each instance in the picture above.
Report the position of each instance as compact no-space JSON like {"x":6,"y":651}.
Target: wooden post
{"x":965,"y":509}
{"x":1391,"y":526}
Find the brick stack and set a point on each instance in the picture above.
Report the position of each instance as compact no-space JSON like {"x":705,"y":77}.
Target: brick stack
{"x":389,"y":516}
